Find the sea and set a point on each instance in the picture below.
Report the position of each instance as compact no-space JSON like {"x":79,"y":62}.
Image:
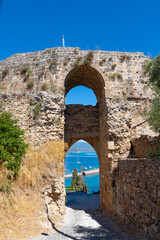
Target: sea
{"x":83,"y":161}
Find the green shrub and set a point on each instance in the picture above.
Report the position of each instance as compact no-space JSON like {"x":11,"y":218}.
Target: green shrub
{"x":153,"y":116}
{"x":12,"y":145}
{"x":77,"y":183}
{"x":153,"y":69}
{"x":37,"y":110}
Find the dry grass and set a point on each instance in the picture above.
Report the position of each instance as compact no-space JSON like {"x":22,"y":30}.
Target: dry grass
{"x":22,"y":212}
{"x":24,"y":218}
{"x":38,"y":165}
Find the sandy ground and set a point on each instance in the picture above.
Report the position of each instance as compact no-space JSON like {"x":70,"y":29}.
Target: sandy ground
{"x":85,"y":221}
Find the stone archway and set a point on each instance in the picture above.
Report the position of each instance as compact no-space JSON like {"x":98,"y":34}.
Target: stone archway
{"x":86,"y":76}
{"x":89,"y":123}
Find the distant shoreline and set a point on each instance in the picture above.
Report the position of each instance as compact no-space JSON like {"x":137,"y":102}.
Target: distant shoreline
{"x":89,"y":172}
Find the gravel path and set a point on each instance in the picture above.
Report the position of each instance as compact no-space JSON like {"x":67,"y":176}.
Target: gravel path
{"x":88,"y":223}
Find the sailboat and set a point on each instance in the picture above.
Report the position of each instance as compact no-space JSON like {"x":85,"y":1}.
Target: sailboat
{"x":78,"y":162}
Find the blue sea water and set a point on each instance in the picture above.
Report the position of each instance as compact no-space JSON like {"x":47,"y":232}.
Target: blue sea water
{"x":83,"y":161}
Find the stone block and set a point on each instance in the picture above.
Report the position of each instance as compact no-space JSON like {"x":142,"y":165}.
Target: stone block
{"x":111,"y":145}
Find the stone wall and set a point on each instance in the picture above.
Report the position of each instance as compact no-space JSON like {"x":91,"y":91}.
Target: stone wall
{"x":126,"y":122}
{"x":45,"y":123}
{"x":82,"y":122}
{"x":121,"y":71}
{"x":34,"y":86}
{"x":54,"y":196}
{"x":137,"y":189}
{"x":144,"y":146}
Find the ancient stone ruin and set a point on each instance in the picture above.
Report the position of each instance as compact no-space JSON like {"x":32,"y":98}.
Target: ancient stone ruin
{"x":34,"y":86}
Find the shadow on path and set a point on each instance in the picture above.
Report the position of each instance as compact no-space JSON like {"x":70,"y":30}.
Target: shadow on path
{"x":62,"y":233}
{"x":85,"y":221}
{"x":108,"y":228}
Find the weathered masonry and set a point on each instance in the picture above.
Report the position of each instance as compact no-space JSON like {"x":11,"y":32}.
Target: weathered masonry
{"x":34,"y":86}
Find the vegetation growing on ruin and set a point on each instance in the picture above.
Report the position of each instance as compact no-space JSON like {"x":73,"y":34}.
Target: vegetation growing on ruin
{"x":51,"y":65}
{"x":30,"y":85}
{"x":37,"y":110}
{"x":4,"y":73}
{"x":24,"y":70}
{"x":118,"y":75}
{"x":41,"y":74}
{"x":125,"y":57}
{"x":57,"y":121}
{"x":44,"y":87}
{"x":89,"y":58}
{"x":12,"y":144}
{"x":78,"y":61}
{"x":53,"y":87}
{"x":113,"y":66}
{"x":102,"y":61}
{"x":27,"y":75}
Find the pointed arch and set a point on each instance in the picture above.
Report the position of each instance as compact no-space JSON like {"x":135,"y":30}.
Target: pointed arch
{"x":89,"y":141}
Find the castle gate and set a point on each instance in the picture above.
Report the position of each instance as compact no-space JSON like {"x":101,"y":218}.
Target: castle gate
{"x":89,"y":122}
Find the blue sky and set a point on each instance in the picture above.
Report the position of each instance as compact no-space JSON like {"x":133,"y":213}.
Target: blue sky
{"x":119,"y":25}
{"x":81,"y":95}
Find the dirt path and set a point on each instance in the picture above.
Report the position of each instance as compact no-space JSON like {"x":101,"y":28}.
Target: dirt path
{"x":88,"y":223}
